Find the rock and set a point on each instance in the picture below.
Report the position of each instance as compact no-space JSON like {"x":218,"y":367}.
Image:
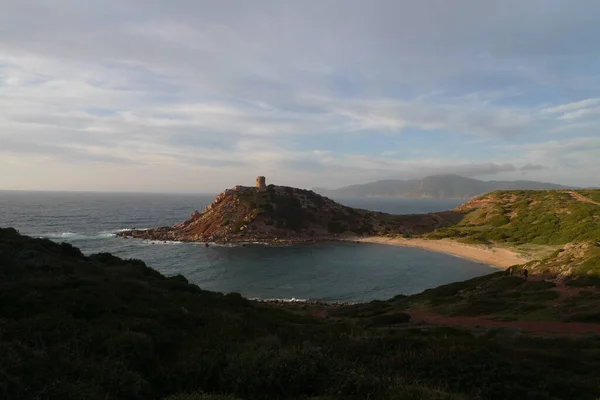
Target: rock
{"x":205,"y":244}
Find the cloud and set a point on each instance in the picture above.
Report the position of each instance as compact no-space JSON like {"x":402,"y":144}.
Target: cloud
{"x":576,"y":110}
{"x":532,"y":167}
{"x":573,"y":161}
{"x":574,"y":106}
{"x":457,"y":115}
{"x":339,"y":90}
{"x":74,"y":154}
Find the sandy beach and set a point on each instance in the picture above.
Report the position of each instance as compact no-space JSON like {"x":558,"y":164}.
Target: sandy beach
{"x":495,"y":256}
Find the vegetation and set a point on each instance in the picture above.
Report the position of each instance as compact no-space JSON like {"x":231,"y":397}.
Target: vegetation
{"x":563,"y":220}
{"x":498,"y":296}
{"x":538,"y":217}
{"x":593,"y":195}
{"x":99,"y":327}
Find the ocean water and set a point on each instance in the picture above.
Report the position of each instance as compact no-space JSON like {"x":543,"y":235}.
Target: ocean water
{"x":328,"y":271}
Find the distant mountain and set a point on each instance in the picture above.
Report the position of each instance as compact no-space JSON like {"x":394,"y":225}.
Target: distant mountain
{"x":437,"y":187}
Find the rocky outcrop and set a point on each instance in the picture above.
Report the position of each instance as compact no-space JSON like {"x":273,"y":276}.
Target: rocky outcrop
{"x":276,"y":214}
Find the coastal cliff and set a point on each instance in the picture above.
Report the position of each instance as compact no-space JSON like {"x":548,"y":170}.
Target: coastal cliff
{"x":272,"y":214}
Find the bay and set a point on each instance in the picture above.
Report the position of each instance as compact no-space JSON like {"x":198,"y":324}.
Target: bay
{"x":326,"y":271}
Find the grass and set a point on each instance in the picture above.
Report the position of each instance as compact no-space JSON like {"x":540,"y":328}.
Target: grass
{"x":593,"y":195}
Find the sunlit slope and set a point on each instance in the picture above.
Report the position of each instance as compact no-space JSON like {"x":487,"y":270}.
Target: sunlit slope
{"x":537,"y":217}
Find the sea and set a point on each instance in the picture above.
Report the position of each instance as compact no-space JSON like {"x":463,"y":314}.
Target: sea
{"x":334,"y":272}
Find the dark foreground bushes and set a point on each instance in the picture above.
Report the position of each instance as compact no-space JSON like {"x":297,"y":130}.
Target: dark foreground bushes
{"x":103,"y":328}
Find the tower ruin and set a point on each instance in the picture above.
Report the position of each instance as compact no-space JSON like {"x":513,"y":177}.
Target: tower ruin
{"x":261,"y":183}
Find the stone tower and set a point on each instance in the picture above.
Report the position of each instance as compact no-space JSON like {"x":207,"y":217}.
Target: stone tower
{"x":261,"y":184}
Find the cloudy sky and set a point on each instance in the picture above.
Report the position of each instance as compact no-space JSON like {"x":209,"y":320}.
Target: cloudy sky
{"x":197,"y":96}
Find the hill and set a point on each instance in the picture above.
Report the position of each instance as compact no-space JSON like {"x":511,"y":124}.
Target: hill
{"x":438,"y":187}
{"x":567,"y":222}
{"x":286,"y":214}
{"x":99,"y":327}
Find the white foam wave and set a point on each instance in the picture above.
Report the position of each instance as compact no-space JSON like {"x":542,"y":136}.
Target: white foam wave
{"x":74,"y":235}
{"x":59,"y":235}
{"x":171,"y":242}
{"x":282,"y":300}
{"x":106,"y":234}
{"x":300,"y":300}
{"x":222,"y":244}
{"x":130,"y":229}
{"x":66,"y":234}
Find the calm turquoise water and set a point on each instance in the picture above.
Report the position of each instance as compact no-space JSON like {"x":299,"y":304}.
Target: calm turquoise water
{"x":332,"y":272}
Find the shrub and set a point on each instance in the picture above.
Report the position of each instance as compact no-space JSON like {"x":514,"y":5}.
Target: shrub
{"x":389,"y":319}
{"x":335,"y":227}
{"x":69,"y":250}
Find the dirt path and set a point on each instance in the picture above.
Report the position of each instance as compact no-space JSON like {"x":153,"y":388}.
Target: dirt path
{"x":541,"y":327}
{"x":581,"y":197}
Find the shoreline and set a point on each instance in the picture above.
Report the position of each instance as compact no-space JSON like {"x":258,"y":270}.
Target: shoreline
{"x":497,"y":257}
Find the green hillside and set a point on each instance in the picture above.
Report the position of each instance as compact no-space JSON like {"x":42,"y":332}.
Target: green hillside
{"x":99,"y":327}
{"x":567,"y":222}
{"x":539,"y":217}
{"x":536,"y":217}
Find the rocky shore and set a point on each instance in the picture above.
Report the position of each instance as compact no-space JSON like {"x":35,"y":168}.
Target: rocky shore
{"x":166,"y":234}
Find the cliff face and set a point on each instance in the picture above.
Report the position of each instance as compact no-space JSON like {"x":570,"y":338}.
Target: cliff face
{"x":282,"y":213}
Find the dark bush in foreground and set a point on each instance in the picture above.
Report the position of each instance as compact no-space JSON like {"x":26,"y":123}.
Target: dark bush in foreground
{"x":102,"y":328}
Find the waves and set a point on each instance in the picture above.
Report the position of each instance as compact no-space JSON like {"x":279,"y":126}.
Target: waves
{"x":77,"y":235}
{"x":110,"y":234}
{"x":301,"y":300}
{"x":67,"y":235}
{"x":281,"y":300}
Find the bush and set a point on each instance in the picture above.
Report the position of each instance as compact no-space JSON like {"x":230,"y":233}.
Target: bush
{"x":69,"y":250}
{"x":335,"y":227}
{"x":116,"y":329}
{"x":389,"y":319}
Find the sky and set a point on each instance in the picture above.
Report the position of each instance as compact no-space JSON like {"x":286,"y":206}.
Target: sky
{"x":199,"y":96}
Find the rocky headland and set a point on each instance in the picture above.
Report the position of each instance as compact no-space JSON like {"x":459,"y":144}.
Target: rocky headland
{"x":283,"y":214}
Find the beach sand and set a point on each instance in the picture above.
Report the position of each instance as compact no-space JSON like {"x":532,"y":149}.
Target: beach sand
{"x":494,"y":256}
